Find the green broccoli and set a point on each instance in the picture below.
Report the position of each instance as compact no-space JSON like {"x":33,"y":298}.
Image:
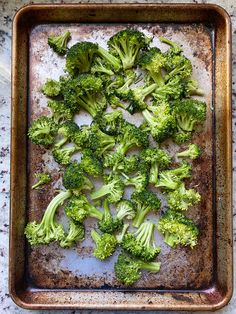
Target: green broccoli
{"x":43,"y":178}
{"x":66,"y":131}
{"x":145,"y":202}
{"x":60,"y":112}
{"x":128,"y":270}
{"x":109,"y":58}
{"x":178,"y":229}
{"x":109,"y":122}
{"x":172,"y":90}
{"x":59,"y":43}
{"x":120,"y":163}
{"x":91,"y":163}
{"x":111,"y":84}
{"x":141,"y":179}
{"x":193,"y":152}
{"x":100,"y":66}
{"x":43,"y":131}
{"x":62,"y":155}
{"x":179,"y":136}
{"x":191,"y":88}
{"x":51,"y":88}
{"x":123,"y":91}
{"x":76,"y":233}
{"x":108,"y":224}
{"x":125,"y":209}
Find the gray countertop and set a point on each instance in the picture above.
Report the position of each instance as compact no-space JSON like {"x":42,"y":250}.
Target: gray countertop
{"x":7,"y":11}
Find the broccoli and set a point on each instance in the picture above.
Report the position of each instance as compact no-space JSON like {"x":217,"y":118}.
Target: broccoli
{"x":62,"y":155}
{"x":108,"y":224}
{"x":158,"y":159}
{"x":125,"y":209}
{"x":119,"y":163}
{"x":47,"y":230}
{"x":126,"y":44}
{"x":109,"y":58}
{"x":91,"y":163}
{"x":80,"y":57}
{"x":76,"y":233}
{"x":43,"y":131}
{"x":100,"y":66}
{"x":59,"y":43}
{"x":141,"y":243}
{"x":51,"y":88}
{"x":188,"y":113}
{"x":112,"y":84}
{"x":115,"y":101}
{"x":172,"y":90}
{"x":179,"y":136}
{"x":145,"y":202}
{"x":66,"y":131}
{"x":113,"y":189}
{"x":74,"y":179}
{"x":128,"y":270}
{"x":123,"y":91}
{"x":153,"y":61}
{"x":175,"y":49}
{"x":191,"y":88}
{"x":60,"y":112}
{"x":79,"y":208}
{"x":178,"y":229}
{"x":43,"y":178}
{"x":141,"y":179}
{"x":160,"y":122}
{"x":193,"y":152}
{"x":109,"y":122}
{"x":182,"y":199}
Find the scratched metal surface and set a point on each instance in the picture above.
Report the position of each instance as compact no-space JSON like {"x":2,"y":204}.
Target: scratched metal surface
{"x":182,"y":268}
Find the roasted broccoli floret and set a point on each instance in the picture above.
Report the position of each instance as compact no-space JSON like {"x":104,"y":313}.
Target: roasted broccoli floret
{"x":47,"y":230}
{"x":140,"y":179}
{"x":128,"y":270}
{"x":160,"y":121}
{"x":51,"y":88}
{"x":112,"y":84}
{"x":60,"y":112}
{"x":191,"y":88}
{"x":144,"y":202}
{"x":126,"y":44}
{"x":179,"y":136}
{"x":119,"y":163}
{"x":62,"y":155}
{"x":141,"y":243}
{"x":43,"y":131}
{"x":80,"y":57}
{"x":76,"y":233}
{"x":79,"y":208}
{"x":178,"y":229}
{"x":109,"y":58}
{"x":43,"y":178}
{"x":59,"y":43}
{"x":113,"y":189}
{"x":172,"y":90}
{"x":109,"y":122}
{"x":158,"y":160}
{"x":100,"y":66}
{"x":153,"y":61}
{"x":91,"y":163}
{"x":74,"y":179}
{"x":108,"y":224}
{"x":182,"y":199}
{"x":125,"y":209}
{"x":123,"y":91}
{"x":66,"y":133}
{"x":193,"y":152}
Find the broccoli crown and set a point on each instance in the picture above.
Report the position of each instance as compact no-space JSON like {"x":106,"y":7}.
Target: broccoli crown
{"x":47,"y":230}
{"x":91,"y":163}
{"x":79,"y":208}
{"x":76,"y":233}
{"x":105,"y":244}
{"x":126,"y":44}
{"x":172,"y":90}
{"x":101,"y":66}
{"x":141,"y":243}
{"x":145,"y":202}
{"x":155,"y":155}
{"x":111,"y":84}
{"x":43,"y":178}
{"x":80,"y":57}
{"x":125,"y":209}
{"x":168,"y":180}
{"x":141,"y":179}
{"x":179,"y":136}
{"x":113,"y":189}
{"x":182,"y":199}
{"x":120,"y":163}
{"x":43,"y":131}
{"x":108,"y":224}
{"x":63,"y":155}
{"x":109,"y":122}
{"x":178,"y":229}
{"x":182,"y":172}
{"x":66,"y":131}
{"x":188,"y":113}
{"x":59,"y":43}
{"x":74,"y":178}
{"x":123,"y":91}
{"x":190,"y":88}
{"x":60,"y":112}
{"x":193,"y":152}
{"x":51,"y":88}
{"x":160,"y":122}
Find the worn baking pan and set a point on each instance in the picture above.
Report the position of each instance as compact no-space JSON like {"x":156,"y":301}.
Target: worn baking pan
{"x":50,"y":278}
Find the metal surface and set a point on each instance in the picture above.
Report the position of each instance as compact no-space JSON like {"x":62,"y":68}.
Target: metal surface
{"x":189,"y":279}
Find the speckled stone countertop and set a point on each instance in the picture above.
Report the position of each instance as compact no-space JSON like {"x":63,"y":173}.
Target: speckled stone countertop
{"x":7,"y":11}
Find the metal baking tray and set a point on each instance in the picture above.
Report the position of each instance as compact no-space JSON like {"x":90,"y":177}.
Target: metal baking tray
{"x":52,"y":278}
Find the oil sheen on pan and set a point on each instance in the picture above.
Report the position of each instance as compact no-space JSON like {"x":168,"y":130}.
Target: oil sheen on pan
{"x":182,"y":268}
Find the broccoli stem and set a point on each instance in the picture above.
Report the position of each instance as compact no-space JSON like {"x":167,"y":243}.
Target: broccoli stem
{"x":157,"y":77}
{"x":153,"y":178}
{"x":95,"y":213}
{"x":36,"y":185}
{"x":102,"y":191}
{"x":95,"y":236}
{"x":168,"y":42}
{"x":151,"y":266}
{"x":61,"y":142}
{"x":110,"y":58}
{"x":140,"y":216}
{"x":120,"y":236}
{"x":148,"y":117}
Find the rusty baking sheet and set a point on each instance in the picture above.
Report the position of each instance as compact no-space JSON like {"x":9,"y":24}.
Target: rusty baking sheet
{"x":50,"y":277}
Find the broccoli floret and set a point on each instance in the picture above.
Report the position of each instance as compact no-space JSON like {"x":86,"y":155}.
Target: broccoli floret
{"x":160,"y":122}
{"x":179,"y":136}
{"x":59,"y":43}
{"x":175,"y":49}
{"x":188,"y":113}
{"x":100,"y":66}
{"x":43,"y":178}
{"x":126,"y":45}
{"x":191,"y":88}
{"x":158,"y":160}
{"x":118,"y":163}
{"x":91,"y":163}
{"x":182,"y":199}
{"x":153,"y":61}
{"x":109,"y":122}
{"x":76,"y":233}
{"x":193,"y":152}
{"x":113,"y":189}
{"x":60,"y":112}
{"x":128,"y":270}
{"x":80,"y":57}
{"x":178,"y":229}
{"x":51,"y":88}
{"x":109,"y":58}
{"x":43,"y":131}
{"x":47,"y":230}
{"x":62,"y":155}
{"x":172,"y":90}
{"x":125,"y":209}
{"x":66,"y":132}
{"x":108,"y":224}
{"x":141,"y":179}
{"x":115,"y":101}
{"x":79,"y":208}
{"x":123,"y":90}
{"x":145,"y":202}
{"x":112,"y":84}
{"x":74,"y":179}
{"x":141,"y":243}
